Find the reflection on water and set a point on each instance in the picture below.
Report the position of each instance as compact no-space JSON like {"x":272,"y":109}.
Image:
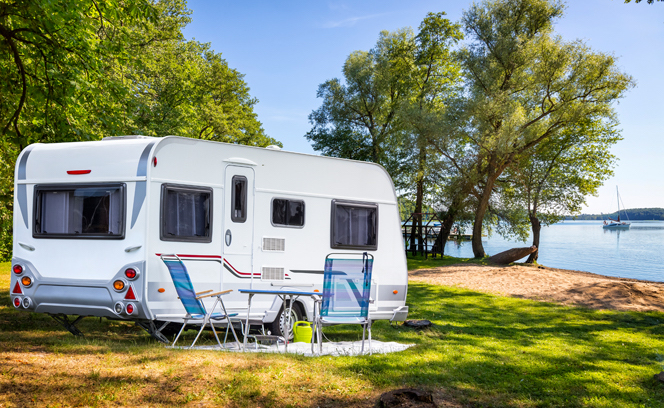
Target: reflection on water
{"x":586,"y":246}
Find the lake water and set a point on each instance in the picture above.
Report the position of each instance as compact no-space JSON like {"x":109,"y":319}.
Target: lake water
{"x":585,"y":246}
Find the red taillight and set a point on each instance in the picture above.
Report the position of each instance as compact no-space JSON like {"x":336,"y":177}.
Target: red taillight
{"x":154,"y":161}
{"x":130,"y":308}
{"x":78,"y":171}
{"x":130,"y":294}
{"x":18,"y":269}
{"x":17,"y":302}
{"x":130,"y":273}
{"x":17,"y":288}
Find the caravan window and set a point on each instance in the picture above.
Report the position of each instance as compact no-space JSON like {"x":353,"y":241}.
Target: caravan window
{"x":354,"y":225}
{"x":79,"y":211}
{"x":239,"y":199}
{"x":186,"y":213}
{"x":287,"y":213}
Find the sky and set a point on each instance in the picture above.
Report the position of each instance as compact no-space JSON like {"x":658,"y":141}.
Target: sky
{"x":286,"y":49}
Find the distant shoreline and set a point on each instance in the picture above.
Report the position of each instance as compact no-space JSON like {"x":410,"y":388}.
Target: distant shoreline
{"x":633,"y":214}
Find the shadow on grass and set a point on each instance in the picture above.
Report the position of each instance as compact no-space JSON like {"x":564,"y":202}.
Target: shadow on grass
{"x":507,"y":352}
{"x":486,"y":350}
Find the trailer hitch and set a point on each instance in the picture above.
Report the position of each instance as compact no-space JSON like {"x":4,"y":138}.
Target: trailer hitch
{"x":71,"y":326}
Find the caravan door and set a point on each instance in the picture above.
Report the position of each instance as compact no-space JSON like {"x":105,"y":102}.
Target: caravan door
{"x":238,"y":230}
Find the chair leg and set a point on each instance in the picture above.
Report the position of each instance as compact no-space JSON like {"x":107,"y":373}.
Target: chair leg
{"x":215,"y":334}
{"x":370,"y":350}
{"x":205,"y":320}
{"x":228,"y":319}
{"x":180,"y":332}
{"x":364,"y":332}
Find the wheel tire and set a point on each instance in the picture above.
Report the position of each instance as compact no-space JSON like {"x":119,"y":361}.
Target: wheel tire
{"x":278,"y":326}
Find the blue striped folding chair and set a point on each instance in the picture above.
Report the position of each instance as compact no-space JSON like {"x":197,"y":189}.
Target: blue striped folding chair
{"x":346,"y":293}
{"x":193,"y":304}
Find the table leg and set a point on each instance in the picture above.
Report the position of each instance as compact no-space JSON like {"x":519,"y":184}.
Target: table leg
{"x":246,"y":326}
{"x":288,"y":319}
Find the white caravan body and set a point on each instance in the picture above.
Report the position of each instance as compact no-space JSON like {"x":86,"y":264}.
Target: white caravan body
{"x":239,"y":217}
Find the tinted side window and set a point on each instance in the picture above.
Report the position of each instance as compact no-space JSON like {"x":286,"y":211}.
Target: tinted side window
{"x":239,"y":199}
{"x":186,"y":213}
{"x":354,"y":225}
{"x":287,"y":212}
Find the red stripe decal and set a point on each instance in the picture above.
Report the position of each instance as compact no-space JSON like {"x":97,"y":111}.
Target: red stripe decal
{"x":238,"y":272}
{"x":195,"y":256}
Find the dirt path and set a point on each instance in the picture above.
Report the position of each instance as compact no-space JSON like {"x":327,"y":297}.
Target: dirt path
{"x":556,"y":285}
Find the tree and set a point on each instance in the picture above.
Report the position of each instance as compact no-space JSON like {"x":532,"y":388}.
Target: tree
{"x":359,"y":117}
{"x":388,"y":104}
{"x":81,"y":70}
{"x":562,"y":171}
{"x":432,"y":76}
{"x":185,"y":88}
{"x":523,"y":86}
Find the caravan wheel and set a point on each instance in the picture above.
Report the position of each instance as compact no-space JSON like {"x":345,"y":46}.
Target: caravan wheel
{"x":278,"y":327}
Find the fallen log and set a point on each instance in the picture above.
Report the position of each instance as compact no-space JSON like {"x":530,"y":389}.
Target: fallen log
{"x":512,"y":255}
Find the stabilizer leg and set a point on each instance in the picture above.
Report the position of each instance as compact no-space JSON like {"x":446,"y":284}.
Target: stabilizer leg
{"x":149,"y":326}
{"x":71,"y":326}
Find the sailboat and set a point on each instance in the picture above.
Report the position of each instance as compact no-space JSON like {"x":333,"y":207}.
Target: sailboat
{"x":617,"y":224}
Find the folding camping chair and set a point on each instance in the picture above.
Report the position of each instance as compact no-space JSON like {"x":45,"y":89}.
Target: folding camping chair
{"x":346,"y":290}
{"x":192,"y":301}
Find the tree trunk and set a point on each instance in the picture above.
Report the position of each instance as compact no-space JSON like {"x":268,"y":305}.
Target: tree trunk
{"x":536,"y":227}
{"x":482,"y":206}
{"x":413,"y":233}
{"x":418,"y":207}
{"x":445,"y":229}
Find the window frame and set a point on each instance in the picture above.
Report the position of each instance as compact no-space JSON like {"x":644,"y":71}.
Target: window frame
{"x":361,"y":204}
{"x":242,"y":219}
{"x":36,"y":210}
{"x":162,"y":211}
{"x":304,"y":216}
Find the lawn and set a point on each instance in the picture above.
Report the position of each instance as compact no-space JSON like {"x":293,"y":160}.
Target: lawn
{"x":483,"y":350}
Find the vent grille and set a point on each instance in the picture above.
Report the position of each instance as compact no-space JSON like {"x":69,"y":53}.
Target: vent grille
{"x":271,"y":273}
{"x":274,"y":244}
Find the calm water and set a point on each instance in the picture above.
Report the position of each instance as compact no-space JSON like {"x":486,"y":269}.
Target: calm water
{"x":585,"y":246}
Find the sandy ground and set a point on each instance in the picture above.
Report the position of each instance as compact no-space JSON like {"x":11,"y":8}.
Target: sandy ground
{"x":549,"y":284}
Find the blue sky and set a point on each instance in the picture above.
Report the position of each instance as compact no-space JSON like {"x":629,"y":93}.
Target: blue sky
{"x":286,"y":49}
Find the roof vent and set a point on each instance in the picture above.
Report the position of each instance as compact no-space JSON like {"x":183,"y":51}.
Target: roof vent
{"x":273,"y":147}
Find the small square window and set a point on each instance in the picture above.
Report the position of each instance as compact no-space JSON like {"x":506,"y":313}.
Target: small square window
{"x":354,"y":225}
{"x":287,"y":213}
{"x":186,"y":213}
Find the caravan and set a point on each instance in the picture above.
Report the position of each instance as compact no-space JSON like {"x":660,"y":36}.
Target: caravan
{"x":92,"y":219}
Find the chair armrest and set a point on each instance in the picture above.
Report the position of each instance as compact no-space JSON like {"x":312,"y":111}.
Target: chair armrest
{"x":215,"y":294}
{"x":203,"y":292}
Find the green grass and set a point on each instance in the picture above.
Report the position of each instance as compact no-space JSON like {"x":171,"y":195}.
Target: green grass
{"x":420,"y":262}
{"x":483,"y":350}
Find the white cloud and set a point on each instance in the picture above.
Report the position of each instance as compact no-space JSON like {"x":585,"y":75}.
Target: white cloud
{"x":349,"y":22}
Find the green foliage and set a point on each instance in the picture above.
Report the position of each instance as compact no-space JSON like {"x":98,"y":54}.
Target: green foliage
{"x":560,"y":173}
{"x":358,"y":118}
{"x":524,"y":86}
{"x":82,"y":70}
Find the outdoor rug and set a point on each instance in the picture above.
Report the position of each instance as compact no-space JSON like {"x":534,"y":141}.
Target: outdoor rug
{"x":342,"y":348}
